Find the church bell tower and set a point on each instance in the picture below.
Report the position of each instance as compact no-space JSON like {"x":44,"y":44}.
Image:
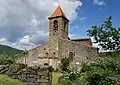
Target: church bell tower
{"x":58,"y":25}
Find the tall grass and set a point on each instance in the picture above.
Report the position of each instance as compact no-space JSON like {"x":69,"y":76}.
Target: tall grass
{"x":55,"y":77}
{"x":5,"y":80}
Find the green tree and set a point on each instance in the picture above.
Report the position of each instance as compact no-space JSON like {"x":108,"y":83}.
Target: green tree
{"x":106,"y":35}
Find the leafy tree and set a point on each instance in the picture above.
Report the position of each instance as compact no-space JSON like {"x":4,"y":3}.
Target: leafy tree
{"x":106,"y":35}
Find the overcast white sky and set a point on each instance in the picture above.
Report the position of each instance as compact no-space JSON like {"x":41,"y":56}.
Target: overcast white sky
{"x":24,"y":23}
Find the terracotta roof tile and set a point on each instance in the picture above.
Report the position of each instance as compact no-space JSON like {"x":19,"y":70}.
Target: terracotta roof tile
{"x":58,"y":12}
{"x":81,"y":39}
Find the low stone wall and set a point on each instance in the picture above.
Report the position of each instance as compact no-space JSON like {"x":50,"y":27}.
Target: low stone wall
{"x":29,"y":75}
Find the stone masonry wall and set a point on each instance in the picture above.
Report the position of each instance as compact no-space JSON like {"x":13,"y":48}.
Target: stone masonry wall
{"x":80,"y":51}
{"x":87,"y":42}
{"x":47,"y":53}
{"x":37,"y":56}
{"x":28,"y":75}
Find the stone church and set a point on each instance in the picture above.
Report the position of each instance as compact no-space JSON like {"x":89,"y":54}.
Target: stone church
{"x":60,"y":45}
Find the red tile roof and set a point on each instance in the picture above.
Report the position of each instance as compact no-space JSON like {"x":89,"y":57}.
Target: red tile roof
{"x":81,"y":39}
{"x":58,"y":12}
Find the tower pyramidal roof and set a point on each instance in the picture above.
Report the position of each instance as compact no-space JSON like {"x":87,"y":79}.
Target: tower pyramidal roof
{"x":58,"y":12}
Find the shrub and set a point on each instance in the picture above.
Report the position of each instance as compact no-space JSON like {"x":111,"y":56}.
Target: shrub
{"x":103,"y":72}
{"x":66,"y":82}
{"x":69,"y":78}
{"x":51,"y":69}
{"x":64,"y":63}
{"x":5,"y":59}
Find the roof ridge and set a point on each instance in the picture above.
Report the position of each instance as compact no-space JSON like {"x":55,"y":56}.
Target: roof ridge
{"x":79,"y":39}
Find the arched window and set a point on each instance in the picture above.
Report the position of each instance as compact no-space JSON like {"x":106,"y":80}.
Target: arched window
{"x":55,"y":24}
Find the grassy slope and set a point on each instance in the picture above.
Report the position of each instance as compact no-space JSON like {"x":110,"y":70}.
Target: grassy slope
{"x":5,"y":80}
{"x":55,"y":76}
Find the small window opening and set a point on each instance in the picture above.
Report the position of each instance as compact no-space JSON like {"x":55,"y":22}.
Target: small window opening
{"x":46,"y":64}
{"x":54,"y":53}
{"x":71,"y":54}
{"x":46,"y":53}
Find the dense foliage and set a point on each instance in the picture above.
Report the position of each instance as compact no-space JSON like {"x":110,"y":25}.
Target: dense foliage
{"x":64,"y":63}
{"x":102,"y":72}
{"x":9,"y":54}
{"x":9,"y":57}
{"x":106,"y":35}
{"x":6,"y":59}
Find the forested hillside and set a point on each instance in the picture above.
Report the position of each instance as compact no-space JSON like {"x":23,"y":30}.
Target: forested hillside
{"x":9,"y":50}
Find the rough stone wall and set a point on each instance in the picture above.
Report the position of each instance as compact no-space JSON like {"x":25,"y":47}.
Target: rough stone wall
{"x":47,"y":53}
{"x":29,"y":75}
{"x":59,"y":46}
{"x":37,"y":56}
{"x":81,"y":52}
{"x":61,"y":32}
{"x":55,"y":49}
{"x":87,"y":42}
